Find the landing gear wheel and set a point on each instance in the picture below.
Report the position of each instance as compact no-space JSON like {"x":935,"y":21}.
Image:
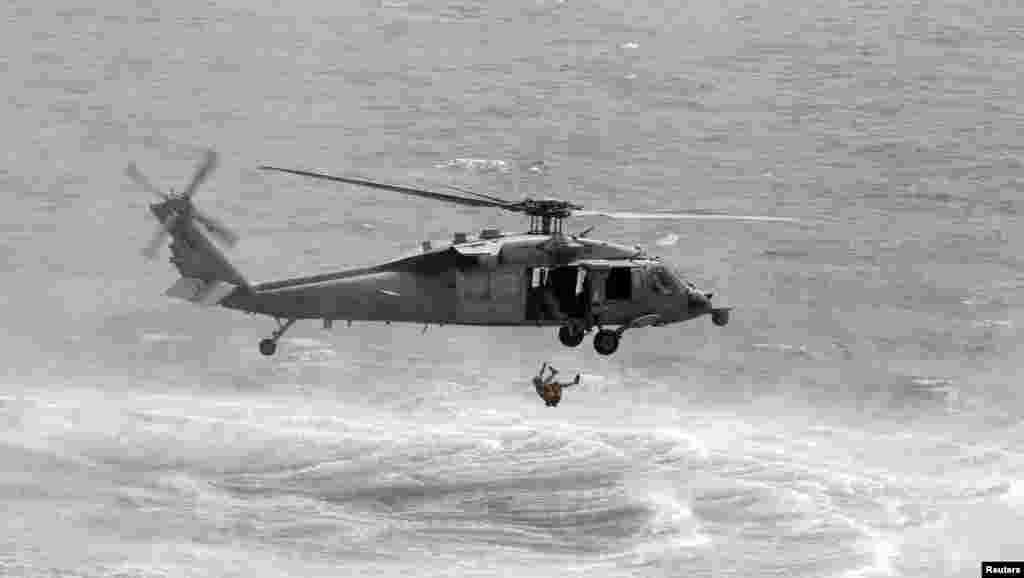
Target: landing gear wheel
{"x":720,"y":317}
{"x":606,"y":342}
{"x":268,"y":346}
{"x":570,"y":337}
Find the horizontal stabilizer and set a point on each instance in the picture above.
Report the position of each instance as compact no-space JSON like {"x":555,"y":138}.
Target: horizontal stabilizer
{"x":200,"y":292}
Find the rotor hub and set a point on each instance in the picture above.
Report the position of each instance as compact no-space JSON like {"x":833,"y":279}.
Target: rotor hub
{"x":552,"y":208}
{"x":547,"y":215}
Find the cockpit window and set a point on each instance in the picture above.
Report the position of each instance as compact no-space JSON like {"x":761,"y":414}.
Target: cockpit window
{"x":664,"y":282}
{"x":681,"y":277}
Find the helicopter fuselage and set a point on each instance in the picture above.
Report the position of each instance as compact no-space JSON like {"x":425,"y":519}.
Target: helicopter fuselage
{"x":540,"y":278}
{"x":499,"y":280}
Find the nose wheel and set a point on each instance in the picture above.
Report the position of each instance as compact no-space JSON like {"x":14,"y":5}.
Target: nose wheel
{"x":606,"y":341}
{"x":268,"y":346}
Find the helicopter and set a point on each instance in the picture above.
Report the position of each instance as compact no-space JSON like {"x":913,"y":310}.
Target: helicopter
{"x":542,"y":277}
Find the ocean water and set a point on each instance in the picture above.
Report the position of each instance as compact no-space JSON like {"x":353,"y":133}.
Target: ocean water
{"x":859,"y":417}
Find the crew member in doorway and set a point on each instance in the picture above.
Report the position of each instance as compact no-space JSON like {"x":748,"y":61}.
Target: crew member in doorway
{"x":547,"y":388}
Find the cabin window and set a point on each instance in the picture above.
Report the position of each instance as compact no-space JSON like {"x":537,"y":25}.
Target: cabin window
{"x":619,"y":284}
{"x":680,"y":278}
{"x":662,"y":282}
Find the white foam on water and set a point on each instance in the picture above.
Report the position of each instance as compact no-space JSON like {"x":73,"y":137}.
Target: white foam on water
{"x":1014,"y":495}
{"x":674,"y":517}
{"x":993,"y":323}
{"x":165,"y":337}
{"x":306,"y":342}
{"x":477,"y":165}
{"x":668,"y":240}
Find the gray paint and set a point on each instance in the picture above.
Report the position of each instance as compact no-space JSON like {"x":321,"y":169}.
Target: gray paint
{"x":472,"y":283}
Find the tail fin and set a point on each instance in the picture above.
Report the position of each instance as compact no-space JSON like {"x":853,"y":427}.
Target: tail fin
{"x":193,"y":253}
{"x":207,"y":276}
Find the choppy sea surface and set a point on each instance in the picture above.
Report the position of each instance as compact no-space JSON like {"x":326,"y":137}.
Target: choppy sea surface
{"x":859,"y":417}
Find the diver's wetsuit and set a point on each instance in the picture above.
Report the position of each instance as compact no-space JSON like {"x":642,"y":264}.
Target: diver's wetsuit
{"x":548,"y":389}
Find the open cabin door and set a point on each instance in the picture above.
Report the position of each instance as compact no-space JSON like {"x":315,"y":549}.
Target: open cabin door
{"x":557,"y":293}
{"x":615,"y":285}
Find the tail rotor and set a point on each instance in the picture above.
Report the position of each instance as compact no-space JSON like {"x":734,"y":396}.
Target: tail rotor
{"x":173,"y":208}
{"x":160,"y":236}
{"x":140,"y":179}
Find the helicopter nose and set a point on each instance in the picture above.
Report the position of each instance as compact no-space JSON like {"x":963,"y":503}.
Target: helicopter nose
{"x":698,"y":301}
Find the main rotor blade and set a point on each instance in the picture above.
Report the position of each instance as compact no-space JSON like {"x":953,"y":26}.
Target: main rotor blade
{"x":683,"y":216}
{"x":216,"y":227}
{"x":399,"y":189}
{"x":209,"y":163}
{"x":140,"y":179}
{"x":481,"y":195}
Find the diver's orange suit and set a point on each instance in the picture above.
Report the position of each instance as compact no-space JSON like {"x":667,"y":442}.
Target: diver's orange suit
{"x":548,"y":389}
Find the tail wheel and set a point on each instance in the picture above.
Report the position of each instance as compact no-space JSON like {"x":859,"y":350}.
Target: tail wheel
{"x":268,"y":346}
{"x":606,"y":342}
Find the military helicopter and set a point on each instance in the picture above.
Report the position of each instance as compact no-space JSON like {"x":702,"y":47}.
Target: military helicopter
{"x":543,"y":277}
